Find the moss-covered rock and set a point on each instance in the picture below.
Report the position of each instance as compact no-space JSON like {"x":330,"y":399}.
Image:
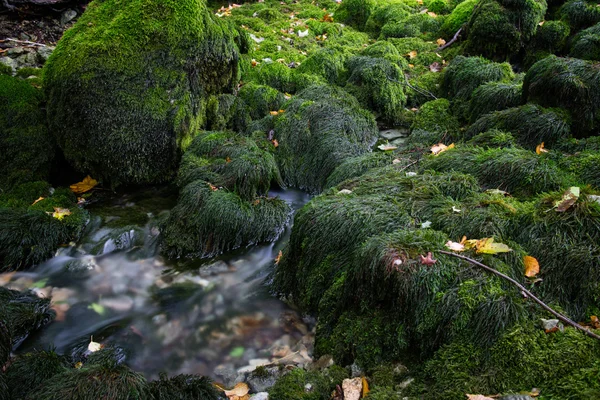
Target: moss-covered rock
{"x":321,"y":127}
{"x":457,"y":18}
{"x":304,"y":385}
{"x":386,"y":12}
{"x":568,"y":83}
{"x":378,"y":85}
{"x":580,"y":14}
{"x":29,"y":371}
{"x":282,"y":77}
{"x":586,"y":44}
{"x":465,"y":74}
{"x":127,"y":85}
{"x":415,"y":25}
{"x":494,"y":96}
{"x":330,"y":63}
{"x":530,"y":124}
{"x":500,"y":28}
{"x":435,"y":116}
{"x":26,"y":148}
{"x":355,"y":12}
{"x":182,"y":387}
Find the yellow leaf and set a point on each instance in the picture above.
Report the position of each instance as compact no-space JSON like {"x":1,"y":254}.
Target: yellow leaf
{"x":78,"y":365}
{"x":539,"y":149}
{"x":278,"y":258}
{"x":454,"y":246}
{"x":38,"y":200}
{"x":440,"y":42}
{"x":274,"y":113}
{"x":569,"y":198}
{"x":411,"y":65}
{"x":478,"y":397}
{"x":281,"y":111}
{"x":60,"y":213}
{"x":94,"y":346}
{"x":87,"y":184}
{"x":239,"y":390}
{"x":432,"y":14}
{"x":365,"y":387}
{"x":532,"y":266}
{"x":412,"y":54}
{"x":541,"y":23}
{"x":440,"y":148}
{"x":487,"y":246}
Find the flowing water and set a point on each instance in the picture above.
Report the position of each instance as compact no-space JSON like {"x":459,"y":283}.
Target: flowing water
{"x":211,"y":317}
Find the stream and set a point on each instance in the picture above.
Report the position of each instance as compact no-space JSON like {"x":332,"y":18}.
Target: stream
{"x":211,"y":317}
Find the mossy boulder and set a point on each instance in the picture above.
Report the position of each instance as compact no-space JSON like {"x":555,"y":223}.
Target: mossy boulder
{"x":568,"y":83}
{"x":494,"y":96}
{"x":128,"y":83}
{"x":580,"y":14}
{"x":261,"y":99}
{"x":26,"y":147}
{"x":355,"y":12}
{"x":330,"y":63}
{"x":183,"y":387}
{"x":223,"y":204}
{"x":386,"y":12}
{"x":498,"y":29}
{"x":299,"y":384}
{"x":436,"y":116}
{"x":457,"y":18}
{"x":30,"y":370}
{"x":415,"y":25}
{"x":586,"y":44}
{"x":465,"y":74}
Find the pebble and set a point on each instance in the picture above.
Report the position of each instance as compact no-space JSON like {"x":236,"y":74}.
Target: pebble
{"x":260,"y":396}
{"x":67,"y":16}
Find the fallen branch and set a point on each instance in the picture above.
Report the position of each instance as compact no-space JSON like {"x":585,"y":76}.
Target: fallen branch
{"x":27,"y":42}
{"x":454,"y":38}
{"x":526,"y":292}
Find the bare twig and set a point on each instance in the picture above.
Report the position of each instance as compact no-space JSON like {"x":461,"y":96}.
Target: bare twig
{"x":522,"y":288}
{"x":23,"y":42}
{"x":454,"y":38}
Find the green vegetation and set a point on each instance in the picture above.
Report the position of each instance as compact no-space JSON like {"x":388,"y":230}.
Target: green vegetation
{"x":586,"y":44}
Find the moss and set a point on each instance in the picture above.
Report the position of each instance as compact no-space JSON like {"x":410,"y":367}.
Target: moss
{"x":425,"y":85}
{"x":385,"y":49}
{"x":26,"y":147}
{"x":31,"y":370}
{"x":261,"y":99}
{"x":386,"y":13}
{"x":568,"y":83}
{"x":128,"y":83}
{"x":384,"y":394}
{"x":415,"y":25}
{"x":378,"y":86}
{"x":26,"y":72}
{"x":551,"y":37}
{"x":321,"y":127}
{"x":438,"y":6}
{"x":356,"y":166}
{"x":5,"y":69}
{"x":494,"y":96}
{"x":585,"y":166}
{"x":499,"y":29}
{"x":328,"y":63}
{"x":579,"y":14}
{"x":586,"y":44}
{"x":282,"y":77}
{"x":465,"y":74}
{"x":435,"y":116}
{"x":530,"y":124}
{"x":183,"y":387}
{"x":493,"y":138}
{"x":355,"y":12}
{"x":303,"y":385}
{"x":457,"y":18}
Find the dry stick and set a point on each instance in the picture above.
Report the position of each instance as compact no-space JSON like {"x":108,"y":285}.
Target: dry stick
{"x":561,"y":317}
{"x":450,"y":42}
{"x":23,"y":42}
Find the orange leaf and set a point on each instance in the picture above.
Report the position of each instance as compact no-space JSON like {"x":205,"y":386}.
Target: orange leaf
{"x":412,"y":54}
{"x":87,"y":184}
{"x":365,"y":387}
{"x":274,"y":113}
{"x":275,"y":143}
{"x":278,"y":258}
{"x":239,"y":391}
{"x":440,"y":148}
{"x":213,"y":187}
{"x":440,"y":42}
{"x":539,"y":149}
{"x":595,"y":322}
{"x":532,"y":266}
{"x":38,"y":200}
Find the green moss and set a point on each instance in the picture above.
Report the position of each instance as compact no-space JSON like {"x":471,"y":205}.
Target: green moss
{"x":182,"y":387}
{"x":586,"y":44}
{"x":355,"y":12}
{"x":261,"y":99}
{"x":493,"y":138}
{"x":530,"y":124}
{"x":580,"y":14}
{"x":282,"y":78}
{"x":387,"y":12}
{"x":328,"y":63}
{"x":26,"y":72}
{"x":31,"y":370}
{"x":424,"y":85}
{"x":385,"y":49}
{"x":415,"y":25}
{"x":499,"y":28}
{"x":27,"y":149}
{"x":494,"y":96}
{"x":551,"y":37}
{"x":378,"y":86}
{"x":438,"y":6}
{"x":127,"y":85}
{"x":465,"y":74}
{"x":321,"y":127}
{"x":585,"y":166}
{"x":356,"y":166}
{"x":435,"y":116}
{"x":5,"y":70}
{"x":568,"y":83}
{"x":303,"y":385}
{"x":457,"y":18}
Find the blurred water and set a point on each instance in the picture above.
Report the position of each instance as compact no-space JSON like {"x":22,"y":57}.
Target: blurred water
{"x":188,"y":316}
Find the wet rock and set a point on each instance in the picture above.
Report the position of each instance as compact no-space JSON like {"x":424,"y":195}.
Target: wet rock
{"x":391,"y":134}
{"x":263,"y":378}
{"x":67,"y":16}
{"x":215,"y":268}
{"x":27,"y":60}
{"x":118,"y":304}
{"x":323,"y":362}
{"x":356,"y":370}
{"x":260,"y":396}
{"x":227,"y":373}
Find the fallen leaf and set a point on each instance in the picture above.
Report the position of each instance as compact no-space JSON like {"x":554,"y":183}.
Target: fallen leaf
{"x":94,"y":346}
{"x":386,"y":147}
{"x":98,"y":308}
{"x":303,"y":33}
{"x":60,"y":213}
{"x":541,"y":23}
{"x":281,"y":111}
{"x":440,"y":148}
{"x":497,"y":191}
{"x":427,"y":260}
{"x":440,"y":42}
{"x":254,"y":63}
{"x":87,"y":184}
{"x":365,"y":387}
{"x":278,"y":258}
{"x":456,"y":210}
{"x":478,"y":397}
{"x":227,"y":160}
{"x":539,"y":149}
{"x":345,"y":191}
{"x":411,"y":65}
{"x":432,"y":14}
{"x":412,"y":54}
{"x":275,"y":143}
{"x":213,"y":187}
{"x":455,"y":246}
{"x":239,"y":390}
{"x":488,"y":246}
{"x":435,"y":67}
{"x":274,"y":113}
{"x":78,"y":365}
{"x":595,"y":322}
{"x":327,"y":18}
{"x":569,"y":198}
{"x":38,"y":200}
{"x":552,"y":325}
{"x":426,"y":224}
{"x":532,"y":266}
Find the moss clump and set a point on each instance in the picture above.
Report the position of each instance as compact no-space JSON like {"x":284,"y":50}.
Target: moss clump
{"x":356,"y":166}
{"x":530,"y":124}
{"x":586,"y":44}
{"x":387,"y":50}
{"x":585,"y":166}
{"x":282,"y":77}
{"x":568,"y":83}
{"x":551,"y":37}
{"x":26,"y":147}
{"x":493,"y":138}
{"x":465,"y":74}
{"x":580,"y":14}
{"x":498,"y":29}
{"x":328,"y":63}
{"x":182,"y":387}
{"x":378,"y":86}
{"x":494,"y":96}
{"x":424,"y":85}
{"x":29,"y":371}
{"x":457,"y":18}
{"x":386,"y":12}
{"x":127,"y":85}
{"x":29,"y":234}
{"x":435,"y":116}
{"x":415,"y":25}
{"x":355,"y":12}
{"x":261,"y":99}
{"x":321,"y":127}
{"x":303,"y":385}
{"x":222,"y":205}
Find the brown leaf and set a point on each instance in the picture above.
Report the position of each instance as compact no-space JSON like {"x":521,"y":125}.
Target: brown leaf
{"x":569,"y":198}
{"x":278,"y":258}
{"x":435,"y":67}
{"x":440,"y":148}
{"x":213,"y":187}
{"x":427,"y":260}
{"x":275,"y":143}
{"x":412,"y":54}
{"x":532,"y":266}
{"x":539,"y":149}
{"x":87,"y":184}
{"x":238,"y":392}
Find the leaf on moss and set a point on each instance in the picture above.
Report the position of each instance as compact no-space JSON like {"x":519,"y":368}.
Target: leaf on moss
{"x":365,"y":387}
{"x":275,"y":143}
{"x":387,"y":147}
{"x":412,"y":54}
{"x":440,"y":148}
{"x":432,"y":14}
{"x":435,"y":67}
{"x":427,"y":260}
{"x":497,"y":191}
{"x":327,"y":18}
{"x":486,"y":246}
{"x":478,"y":397}
{"x":569,"y":198}
{"x":278,"y":258}
{"x":38,"y":200}
{"x":87,"y":184}
{"x":60,"y":213}
{"x":440,"y":42}
{"x":532,"y":266}
{"x":94,"y":346}
{"x":455,"y":246}
{"x":539,"y":149}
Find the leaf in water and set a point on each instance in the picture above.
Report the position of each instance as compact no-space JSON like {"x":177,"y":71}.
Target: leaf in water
{"x":569,"y":198}
{"x":539,"y":149}
{"x":532,"y":266}
{"x":440,"y":148}
{"x":38,"y":200}
{"x":98,"y":308}
{"x":40,"y":284}
{"x":239,"y":392}
{"x":387,"y":147}
{"x":94,"y":346}
{"x":87,"y":184}
{"x":237,"y":352}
